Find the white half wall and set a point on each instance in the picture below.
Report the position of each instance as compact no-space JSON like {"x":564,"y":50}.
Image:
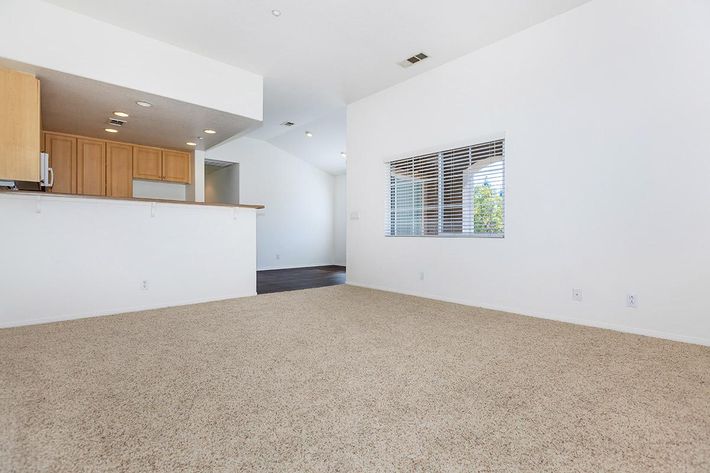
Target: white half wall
{"x":605,"y":110}
{"x":67,"y":257}
{"x":42,"y":34}
{"x":296,"y":228}
{"x":340,"y":212}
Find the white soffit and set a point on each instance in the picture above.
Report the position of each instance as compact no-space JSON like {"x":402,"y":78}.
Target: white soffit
{"x":81,"y":106}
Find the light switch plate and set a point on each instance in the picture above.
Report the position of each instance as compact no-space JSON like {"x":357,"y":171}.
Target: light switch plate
{"x":577,"y":295}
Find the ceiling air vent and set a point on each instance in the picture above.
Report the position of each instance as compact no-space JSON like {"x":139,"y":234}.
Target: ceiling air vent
{"x":410,"y":61}
{"x":287,"y":124}
{"x":116,"y":122}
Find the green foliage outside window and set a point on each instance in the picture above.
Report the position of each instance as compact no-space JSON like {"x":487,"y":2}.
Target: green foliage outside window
{"x":487,"y":209}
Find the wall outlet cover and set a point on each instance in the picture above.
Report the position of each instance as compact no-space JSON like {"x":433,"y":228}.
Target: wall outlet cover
{"x":632,"y":301}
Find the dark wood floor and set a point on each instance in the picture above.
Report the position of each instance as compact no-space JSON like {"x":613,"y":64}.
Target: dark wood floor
{"x":279,"y":280}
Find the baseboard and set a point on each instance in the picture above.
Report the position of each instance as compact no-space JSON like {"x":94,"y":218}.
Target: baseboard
{"x":572,"y":320}
{"x":275,"y":268}
{"x":122,"y":310}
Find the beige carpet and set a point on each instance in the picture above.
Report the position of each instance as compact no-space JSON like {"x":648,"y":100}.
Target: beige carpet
{"x":347,"y":379}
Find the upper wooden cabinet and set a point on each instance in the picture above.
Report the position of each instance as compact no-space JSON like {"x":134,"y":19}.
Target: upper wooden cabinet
{"x":91,"y":167}
{"x":147,"y":163}
{"x":176,"y":166}
{"x":98,"y":167}
{"x":19,"y":126}
{"x":161,"y":164}
{"x":62,"y":159}
{"x":119,"y":170}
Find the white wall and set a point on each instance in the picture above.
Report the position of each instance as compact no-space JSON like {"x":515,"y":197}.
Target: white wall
{"x":340,"y":212}
{"x":606,"y":114}
{"x":195,"y":191}
{"x":297,"y":224}
{"x":42,"y":34}
{"x":159,"y":190}
{"x":81,"y":257}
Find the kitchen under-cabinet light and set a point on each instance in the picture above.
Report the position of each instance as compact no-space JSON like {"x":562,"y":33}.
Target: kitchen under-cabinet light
{"x":190,"y":143}
{"x":121,"y":114}
{"x":209,"y":132}
{"x":143,"y":103}
{"x":111,"y":130}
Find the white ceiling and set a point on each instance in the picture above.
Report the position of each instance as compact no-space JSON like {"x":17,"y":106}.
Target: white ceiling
{"x":324,"y":147}
{"x":320,"y":55}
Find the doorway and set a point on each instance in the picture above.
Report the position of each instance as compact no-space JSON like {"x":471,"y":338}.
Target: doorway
{"x":221,"y":182}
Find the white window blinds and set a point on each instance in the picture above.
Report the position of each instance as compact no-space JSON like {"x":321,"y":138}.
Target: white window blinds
{"x":457,"y":192}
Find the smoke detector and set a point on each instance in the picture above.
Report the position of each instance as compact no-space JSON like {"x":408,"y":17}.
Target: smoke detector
{"x":410,"y":61}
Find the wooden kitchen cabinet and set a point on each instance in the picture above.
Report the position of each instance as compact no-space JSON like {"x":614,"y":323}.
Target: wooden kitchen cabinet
{"x":119,"y":170}
{"x":62,"y":159}
{"x":161,"y":164}
{"x":19,"y":126}
{"x":90,"y":167}
{"x":147,"y":163}
{"x":176,"y":166}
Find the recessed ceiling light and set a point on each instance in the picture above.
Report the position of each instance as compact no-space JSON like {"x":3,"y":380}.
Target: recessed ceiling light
{"x":111,"y":130}
{"x":276,"y":13}
{"x":343,"y":155}
{"x":121,"y":114}
{"x":309,"y":134}
{"x":190,"y":143}
{"x":210,"y":132}
{"x":143,"y":103}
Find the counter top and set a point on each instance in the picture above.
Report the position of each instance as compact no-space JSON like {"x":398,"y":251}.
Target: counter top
{"x":131,"y":199}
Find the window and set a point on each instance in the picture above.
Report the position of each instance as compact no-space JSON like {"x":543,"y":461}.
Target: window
{"x":457,"y":192}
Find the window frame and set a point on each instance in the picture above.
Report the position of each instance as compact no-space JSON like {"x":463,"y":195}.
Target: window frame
{"x":440,"y":150}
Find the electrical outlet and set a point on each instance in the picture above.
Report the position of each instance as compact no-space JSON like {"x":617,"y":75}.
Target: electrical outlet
{"x":577,"y":295}
{"x":632,"y":301}
{"x":144,"y":285}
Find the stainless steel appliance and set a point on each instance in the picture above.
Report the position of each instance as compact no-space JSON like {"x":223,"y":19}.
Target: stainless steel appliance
{"x":46,"y":174}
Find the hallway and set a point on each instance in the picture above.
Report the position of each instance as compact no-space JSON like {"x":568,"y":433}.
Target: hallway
{"x":280,"y":280}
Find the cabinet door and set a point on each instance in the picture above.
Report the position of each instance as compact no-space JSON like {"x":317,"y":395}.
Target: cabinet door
{"x":119,"y":170}
{"x":176,"y":166}
{"x":19,"y":126}
{"x":91,"y":167}
{"x":62,"y":159}
{"x":147,"y":163}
